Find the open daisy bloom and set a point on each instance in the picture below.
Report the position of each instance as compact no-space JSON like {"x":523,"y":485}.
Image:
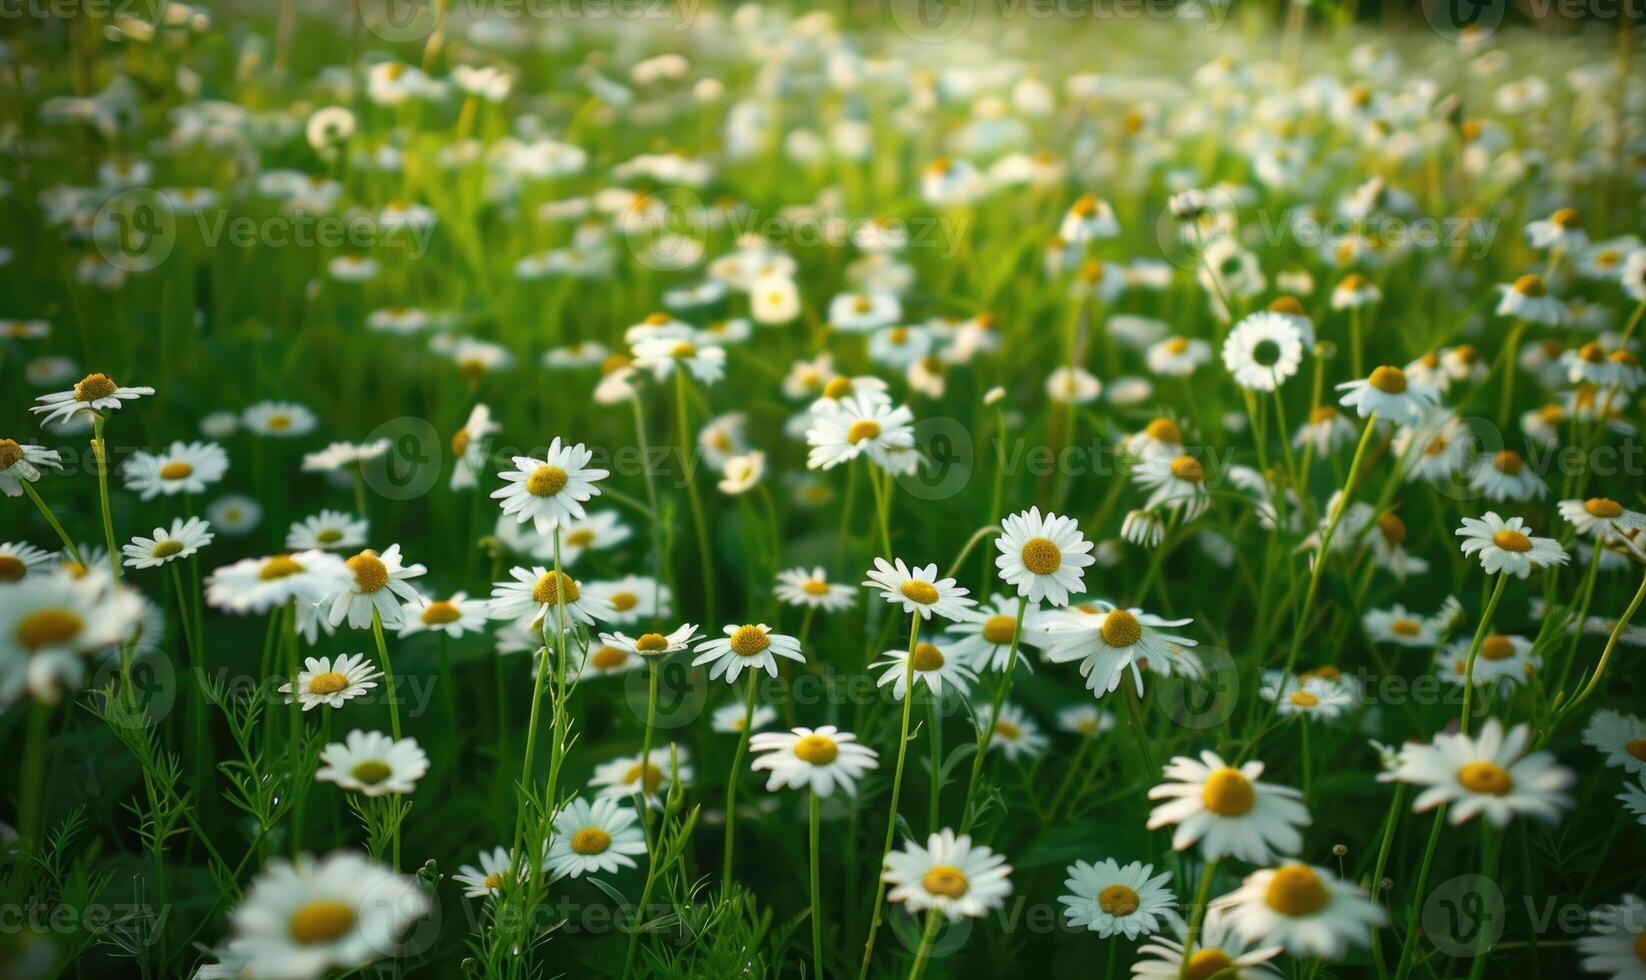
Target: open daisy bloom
{"x":376,"y":585}
{"x":1490,"y":774}
{"x":1504,"y":546}
{"x":373,"y":764}
{"x":20,"y":463}
{"x":1228,"y":810}
{"x":950,"y":875}
{"x":930,"y":665}
{"x":589,"y":837}
{"x":1219,"y":952}
{"x":326,"y":681}
{"x":624,"y":778}
{"x":1111,"y":900}
{"x":813,"y":590}
{"x":1109,"y":644}
{"x":819,"y":759}
{"x":550,"y":492}
{"x":1042,"y":557}
{"x":538,"y":597}
{"x":1389,"y":394}
{"x":94,"y":393}
{"x":918,"y":590}
{"x":751,"y":646}
{"x":1306,"y":910}
{"x":486,"y":880}
{"x":182,"y":540}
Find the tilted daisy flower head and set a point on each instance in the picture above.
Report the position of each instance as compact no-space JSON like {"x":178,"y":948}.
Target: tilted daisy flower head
{"x":1490,"y":774}
{"x":470,"y":446}
{"x":1389,"y":394}
{"x":54,"y":623}
{"x":728,"y":719}
{"x":1616,"y":943}
{"x":185,"y":467}
{"x":373,"y":764}
{"x":1501,"y":657}
{"x":1527,"y":298}
{"x":1398,"y":626}
{"x":183,"y":539}
{"x":813,"y":590}
{"x":538,"y":593}
{"x":982,"y":640}
{"x":628,"y":776}
{"x":606,"y":659}
{"x":918,"y":590}
{"x":818,"y":759}
{"x":329,"y":530}
{"x":1601,"y":517}
{"x":753,"y":646}
{"x":1178,"y":356}
{"x":599,"y":531}
{"x":256,"y":585}
{"x":304,"y":918}
{"x":1228,"y":810}
{"x":1176,"y":482}
{"x":649,"y":646}
{"x":1263,"y":350}
{"x":455,"y":615}
{"x":94,"y":393}
{"x":1116,"y":639}
{"x":1620,"y":738}
{"x":1111,"y":900}
{"x":1219,"y":951}
{"x":1012,"y":731}
{"x":20,"y":463}
{"x":18,"y":560}
{"x":1306,"y":695}
{"x":949,"y":874}
{"x":1085,"y":720}
{"x":1504,"y":475}
{"x":588,"y":837}
{"x":1504,"y":546}
{"x":283,"y":420}
{"x":859,"y":426}
{"x":343,"y":455}
{"x":931,"y":666}
{"x":487,"y":880}
{"x":550,"y":492}
{"x":632,"y":599}
{"x":1307,"y":910}
{"x":1042,"y":557}
{"x":326,"y":681}
{"x":374,"y":584}
{"x":661,"y":355}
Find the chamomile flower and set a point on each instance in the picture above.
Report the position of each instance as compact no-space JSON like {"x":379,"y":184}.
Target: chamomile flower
{"x":931,"y":665}
{"x":1085,"y":720}
{"x":186,"y":467}
{"x":1504,"y":546}
{"x":1355,"y":290}
{"x":1619,"y":738}
{"x":18,"y":560}
{"x":339,"y":456}
{"x":728,"y":718}
{"x":551,"y":491}
{"x":1561,"y":230}
{"x":487,"y":880}
{"x":1398,"y":626}
{"x":1174,"y":483}
{"x":1490,"y":774}
{"x":538,"y":593}
{"x":1115,"y":639}
{"x":331,"y":682}
{"x":94,"y":393}
{"x":1617,"y":935}
{"x":631,"y":599}
{"x":1111,"y":900}
{"x":819,"y":759}
{"x":1312,"y":697}
{"x":1088,"y":219}
{"x":1388,"y":393}
{"x":1306,"y":910}
{"x":329,"y":530}
{"x":985,"y":634}
{"x":1527,"y":298}
{"x":21,"y":463}
{"x":1012,"y":731}
{"x":256,"y":585}
{"x":54,"y":622}
{"x":754,"y":646}
{"x":454,"y":615}
{"x":184,"y":538}
{"x":813,"y":590}
{"x":623,"y":778}
{"x":1219,"y":951}
{"x":919,"y":591}
{"x":470,"y":446}
{"x":1263,"y":350}
{"x":949,"y":874}
{"x":588,"y":837}
{"x":282,"y":420}
{"x":864,"y":312}
{"x":660,"y":356}
{"x":1327,"y":430}
{"x":374,"y":584}
{"x":1601,"y":517}
{"x":1076,"y":385}
{"x":1505,"y":476}
{"x":859,"y":426}
{"x":1228,"y":810}
{"x":373,"y":764}
{"x":1042,"y":557}
{"x":741,"y":473}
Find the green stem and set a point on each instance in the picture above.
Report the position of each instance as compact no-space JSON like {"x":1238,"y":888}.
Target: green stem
{"x":815,"y":816}
{"x":897,"y":789}
{"x":1611,"y":644}
{"x":388,"y":673}
{"x":1474,"y":649}
{"x":1196,"y":912}
{"x":51,"y":519}
{"x":100,"y":450}
{"x":705,"y":562}
{"x":731,"y":781}
{"x":1415,"y":900}
{"x":984,"y":732}
{"x":925,"y":949}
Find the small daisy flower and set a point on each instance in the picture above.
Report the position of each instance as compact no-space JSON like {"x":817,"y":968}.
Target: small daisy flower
{"x":623,"y":778}
{"x":329,"y":530}
{"x":1116,"y":639}
{"x":1178,"y":357}
{"x":1073,"y":385}
{"x":1174,"y":482}
{"x":1388,"y":393}
{"x":1043,"y":558}
{"x":918,"y":590}
{"x":930,"y":666}
{"x":550,"y":492}
{"x":1620,"y":738}
{"x":660,"y":356}
{"x":1111,"y":900}
{"x":1327,"y":431}
{"x":340,"y":456}
{"x":1085,"y":720}
{"x":815,"y":759}
{"x":54,"y":623}
{"x":1161,"y":437}
{"x":1219,"y":951}
{"x":813,"y":590}
{"x":256,"y":585}
{"x":485,"y":881}
{"x":1490,"y":774}
{"x":1354,"y":291}
{"x":1505,"y":476}
{"x":1561,"y":230}
{"x":186,"y":467}
{"x":1263,"y":350}
{"x":1527,"y":298}
{"x":859,"y":426}
{"x":1315,"y":698}
{"x":1228,"y":810}
{"x":728,"y":718}
{"x":470,"y":446}
{"x":373,"y":764}
{"x":94,"y":393}
{"x":454,"y":616}
{"x":949,"y":874}
{"x":537,"y":593}
{"x":588,"y":837}
{"x":1013,"y":732}
{"x":1398,"y":626}
{"x":632,"y":599}
{"x":985,"y":634}
{"x":1501,"y":658}
{"x":283,"y":420}
{"x":20,"y":463}
{"x":648,"y":646}
{"x":1088,"y":219}
{"x":18,"y":560}
{"x":183,"y":539}
{"x":753,"y":646}
{"x":1601,"y":517}
{"x":375,"y":583}
{"x":864,"y":312}
{"x":741,"y":473}
{"x":1505,"y":546}
{"x":332,"y":682}
{"x":1306,"y":910}
{"x":1617,"y":936}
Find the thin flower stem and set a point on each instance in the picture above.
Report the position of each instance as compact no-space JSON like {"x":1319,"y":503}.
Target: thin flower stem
{"x":731,"y":781}
{"x":925,"y":949}
{"x":101,"y":451}
{"x":1136,"y":710}
{"x":882,"y":507}
{"x":815,"y":820}
{"x":1611,"y":644}
{"x":1390,"y":822}
{"x":388,"y":673}
{"x":1197,"y":912}
{"x":32,"y":799}
{"x":1490,"y":844}
{"x":653,"y":669}
{"x":986,"y":731}
{"x":937,"y":761}
{"x":897,"y":789}
{"x":705,"y":561}
{"x":1474,"y":649}
{"x":1415,"y":903}
{"x":51,"y":519}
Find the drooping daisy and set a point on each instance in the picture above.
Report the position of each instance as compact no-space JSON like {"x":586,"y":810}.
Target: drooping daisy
{"x":256,"y":585}
{"x":332,"y":682}
{"x":1114,"y":640}
{"x":1620,"y":738}
{"x":184,"y":538}
{"x":1227,"y":810}
{"x":540,"y":593}
{"x":1390,"y":395}
{"x":600,"y":836}
{"x":815,"y":759}
{"x":283,"y":420}
{"x":1177,"y":482}
{"x":18,"y":560}
{"x":454,"y":615}
{"x":986,"y":633}
{"x":550,"y":492}
{"x":918,"y":590}
{"x":1490,"y":774}
{"x":1043,"y":558}
{"x":1263,"y":350}
{"x":487,"y":880}
{"x":470,"y":446}
{"x":813,"y":590}
{"x":1307,"y":910}
{"x":753,"y":646}
{"x":859,"y":426}
{"x":375,"y":583}
{"x":373,"y":764}
{"x":648,"y":646}
{"x":1219,"y":951}
{"x":728,"y":719}
{"x":1505,"y":476}
{"x":626,"y":777}
{"x":94,"y":393}
{"x":329,"y":530}
{"x":1013,"y":732}
{"x":1505,"y":546}
{"x":930,"y":665}
{"x":632,"y":599}
{"x":1111,"y":900}
{"x":305,"y":918}
{"x":1601,"y":517}
{"x":949,"y":874}
{"x":54,"y":622}
{"x":186,"y":467}
{"x":20,"y":463}
{"x":1617,"y":936}
{"x":340,"y":456}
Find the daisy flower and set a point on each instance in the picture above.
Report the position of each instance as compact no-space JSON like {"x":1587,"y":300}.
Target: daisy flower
{"x":374,"y":583}
{"x":753,"y":646}
{"x":929,"y":666}
{"x":20,"y":463}
{"x":1561,"y":230}
{"x":985,"y":634}
{"x":1043,"y":558}
{"x":1490,"y":774}
{"x":1398,"y":626}
{"x":1114,"y":640}
{"x":54,"y":623}
{"x":1228,"y":810}
{"x":343,"y":455}
{"x":550,"y":491}
{"x":372,"y":763}
{"x":94,"y":393}
{"x":1326,"y":431}
{"x":858,"y":426}
{"x":486,"y":880}
{"x":1263,"y":350}
{"x":728,"y":718}
{"x":1387,"y":393}
{"x":1085,"y":720}
{"x":1013,"y":732}
{"x":813,"y":590}
{"x":183,"y":539}
{"x":256,"y":585}
{"x":1505,"y":476}
{"x":652,"y":645}
{"x":1178,"y":356}
{"x":621,"y":778}
{"x":1076,"y":385}
{"x":470,"y":446}
{"x":1633,"y":799}
{"x":1617,"y":936}
{"x":599,"y":531}
{"x":17,"y":560}
{"x":864,"y":312}
{"x":742,"y":473}
{"x":332,"y":682}
{"x":632,"y":599}
{"x":1527,"y":298}
{"x":601,"y":836}
{"x":918,"y":590}
{"x":186,"y":467}
{"x":307,"y":917}
{"x":949,"y":874}
{"x":1501,"y":657}
{"x":606,"y":659}
{"x":1219,"y":951}
{"x":816,"y":759}
{"x":1355,"y":290}
{"x":1505,"y":546}
{"x":536,"y":593}
{"x":660,"y":355}
{"x":1600,"y":517}
{"x":1306,"y":910}
{"x":1311,"y":697}
{"x":1175,"y":482}
{"x":329,"y":530}
{"x":1620,"y":738}
{"x":235,"y":513}
{"x":283,"y":420}
{"x":1110,"y":900}
{"x":453,"y":616}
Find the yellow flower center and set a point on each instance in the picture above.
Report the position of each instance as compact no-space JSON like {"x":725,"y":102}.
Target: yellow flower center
{"x":12,"y":569}
{"x":328,"y":683}
{"x":330,"y":535}
{"x":1531,"y":286}
{"x":1640,"y":947}
{"x":1567,"y":218}
{"x":1289,"y":305}
{"x":814,"y":586}
{"x":1507,"y":462}
{"x":279,"y":422}
{"x":1392,"y":528}
{"x":608,"y":658}
{"x":683,"y":349}
{"x":176,"y":470}
{"x":1304,"y":699}
{"x":1228,"y":793}
{"x":94,"y":386}
{"x":1592,"y":352}
{"x":999,"y":630}
{"x":370,"y":574}
{"x":1626,"y":358}
{"x":278,"y":567}
{"x":838,"y":387}
{"x":862,"y":429}
{"x":749,"y":641}
{"x":927,"y":657}
{"x":45,"y":628}
{"x":819,"y":750}
{"x":1177,"y":345}
{"x":1121,"y":629}
{"x":1485,"y":777}
{"x":439,"y":613}
{"x":1041,"y":556}
{"x":591,"y":840}
{"x":1296,"y":890}
{"x":580,"y":538}
{"x":1008,"y":731}
{"x":551,"y":591}
{"x":1497,"y":647}
{"x":654,"y":776}
{"x":1406,"y":627}
{"x":493,"y":881}
{"x":945,"y":880}
{"x":919,"y":591}
{"x":1188,"y":469}
{"x":1085,"y":207}
{"x":1164,"y":430}
{"x":1117,"y":900}
{"x":320,"y":922}
{"x":546,"y":481}
{"x":1207,"y":963}
{"x":1510,"y":540}
{"x":165,"y":549}
{"x":1603,"y":507}
{"x":10,"y":453}
{"x":372,"y":771}
{"x":460,"y":442}
{"x":1388,"y":379}
{"x":1637,"y":748}
{"x":623,"y":601}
